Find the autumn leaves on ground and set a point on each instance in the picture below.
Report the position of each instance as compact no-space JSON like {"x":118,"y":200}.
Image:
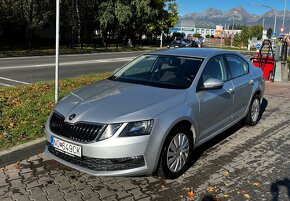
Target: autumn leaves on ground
{"x":25,"y":109}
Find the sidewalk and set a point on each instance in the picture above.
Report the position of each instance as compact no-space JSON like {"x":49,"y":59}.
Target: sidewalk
{"x":243,"y":163}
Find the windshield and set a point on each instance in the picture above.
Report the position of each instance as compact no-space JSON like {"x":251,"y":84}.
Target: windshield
{"x":160,"y":71}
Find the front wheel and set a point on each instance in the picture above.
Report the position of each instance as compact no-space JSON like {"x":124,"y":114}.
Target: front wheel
{"x":176,"y":153}
{"x":253,"y":115}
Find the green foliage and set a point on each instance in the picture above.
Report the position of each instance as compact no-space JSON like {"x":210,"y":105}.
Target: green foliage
{"x":114,"y":19}
{"x":196,"y":35}
{"x":227,"y":41}
{"x":247,"y":33}
{"x":25,"y":109}
{"x":256,"y":31}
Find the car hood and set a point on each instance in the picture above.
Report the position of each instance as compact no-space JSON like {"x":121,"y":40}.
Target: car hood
{"x":112,"y":102}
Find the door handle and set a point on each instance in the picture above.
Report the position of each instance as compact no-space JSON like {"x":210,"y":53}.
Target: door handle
{"x":251,"y":82}
{"x":231,"y":91}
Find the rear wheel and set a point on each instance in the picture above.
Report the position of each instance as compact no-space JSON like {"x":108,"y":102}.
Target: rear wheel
{"x":253,"y":115}
{"x":176,"y":153}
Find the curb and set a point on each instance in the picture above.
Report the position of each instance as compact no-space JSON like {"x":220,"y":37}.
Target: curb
{"x":21,"y":152}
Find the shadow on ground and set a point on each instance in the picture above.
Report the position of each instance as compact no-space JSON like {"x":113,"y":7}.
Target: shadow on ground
{"x":276,"y":187}
{"x":198,"y":152}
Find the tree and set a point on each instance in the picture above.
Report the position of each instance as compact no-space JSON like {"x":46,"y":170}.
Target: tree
{"x":34,"y":15}
{"x":244,"y":36}
{"x":269,"y":32}
{"x":196,"y":35}
{"x":256,"y":31}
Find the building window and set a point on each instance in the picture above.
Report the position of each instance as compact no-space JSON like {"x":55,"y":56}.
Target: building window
{"x":197,"y":30}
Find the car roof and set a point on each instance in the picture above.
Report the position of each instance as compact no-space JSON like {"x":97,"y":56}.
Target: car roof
{"x":192,"y":52}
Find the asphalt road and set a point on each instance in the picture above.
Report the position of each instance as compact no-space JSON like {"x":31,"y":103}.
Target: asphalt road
{"x":26,"y":70}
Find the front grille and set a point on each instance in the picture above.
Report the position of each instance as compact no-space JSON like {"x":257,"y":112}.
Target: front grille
{"x":100,"y":164}
{"x":83,"y":132}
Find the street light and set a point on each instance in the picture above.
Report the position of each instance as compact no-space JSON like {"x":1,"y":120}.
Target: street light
{"x":266,"y":6}
{"x":285,"y":3}
{"x":56,"y":50}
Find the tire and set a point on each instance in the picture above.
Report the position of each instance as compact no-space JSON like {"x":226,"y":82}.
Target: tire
{"x":254,"y":112}
{"x":173,"y":163}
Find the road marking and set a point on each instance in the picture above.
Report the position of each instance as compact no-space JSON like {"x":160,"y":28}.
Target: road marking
{"x":73,"y":55}
{"x":71,"y":63}
{"x":11,"y":80}
{"x":6,"y":85}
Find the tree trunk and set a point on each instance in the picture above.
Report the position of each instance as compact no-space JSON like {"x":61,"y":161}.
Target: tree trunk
{"x":29,"y":28}
{"x":78,"y":21}
{"x":72,"y":25}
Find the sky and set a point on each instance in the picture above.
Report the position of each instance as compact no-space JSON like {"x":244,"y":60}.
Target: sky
{"x":192,"y":6}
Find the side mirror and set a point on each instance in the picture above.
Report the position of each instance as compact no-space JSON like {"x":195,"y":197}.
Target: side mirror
{"x":212,"y":83}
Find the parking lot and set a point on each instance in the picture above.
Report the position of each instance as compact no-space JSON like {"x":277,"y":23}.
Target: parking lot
{"x":243,"y":163}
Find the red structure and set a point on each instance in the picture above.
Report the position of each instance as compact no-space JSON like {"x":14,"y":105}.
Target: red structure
{"x":266,"y":62}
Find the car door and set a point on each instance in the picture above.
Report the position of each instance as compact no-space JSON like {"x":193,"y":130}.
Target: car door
{"x":243,"y":84}
{"x":215,"y":105}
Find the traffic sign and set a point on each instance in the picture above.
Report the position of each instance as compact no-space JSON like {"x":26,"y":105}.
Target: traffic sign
{"x":258,"y":46}
{"x":281,"y":35}
{"x":273,"y":34}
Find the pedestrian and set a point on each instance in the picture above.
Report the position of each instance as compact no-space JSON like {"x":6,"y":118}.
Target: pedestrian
{"x":130,"y":42}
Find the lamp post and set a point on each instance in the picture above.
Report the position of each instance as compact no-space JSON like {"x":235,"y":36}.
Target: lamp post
{"x":56,"y":50}
{"x":266,"y":6}
{"x":161,"y":37}
{"x":283,"y":28}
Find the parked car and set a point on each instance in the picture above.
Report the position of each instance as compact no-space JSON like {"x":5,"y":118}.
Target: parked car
{"x":149,"y":115}
{"x":177,"y":44}
{"x":190,"y":43}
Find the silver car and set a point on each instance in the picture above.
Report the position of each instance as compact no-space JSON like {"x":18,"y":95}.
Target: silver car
{"x":149,"y":115}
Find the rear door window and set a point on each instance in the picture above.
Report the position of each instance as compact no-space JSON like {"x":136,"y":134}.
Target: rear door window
{"x":238,"y":67}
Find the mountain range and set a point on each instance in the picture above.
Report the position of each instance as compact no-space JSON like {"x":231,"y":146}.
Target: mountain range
{"x":236,"y":15}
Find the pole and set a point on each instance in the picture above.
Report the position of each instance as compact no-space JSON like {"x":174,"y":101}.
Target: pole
{"x":266,"y":6}
{"x":161,"y":37}
{"x":275,"y":21}
{"x":56,"y":50}
{"x":285,"y":3}
{"x":232,"y":37}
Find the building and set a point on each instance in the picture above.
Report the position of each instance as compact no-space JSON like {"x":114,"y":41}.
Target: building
{"x":188,"y":26}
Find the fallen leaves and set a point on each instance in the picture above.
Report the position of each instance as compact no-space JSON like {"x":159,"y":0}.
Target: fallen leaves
{"x":2,"y":136}
{"x":257,"y":184}
{"x":216,"y":198}
{"x":211,"y":189}
{"x":11,"y":125}
{"x":226,"y":173}
{"x":191,"y":194}
{"x":247,"y":196}
{"x":17,"y":165}
{"x":226,"y":195}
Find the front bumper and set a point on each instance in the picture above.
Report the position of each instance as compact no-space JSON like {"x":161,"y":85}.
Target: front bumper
{"x":116,"y":156}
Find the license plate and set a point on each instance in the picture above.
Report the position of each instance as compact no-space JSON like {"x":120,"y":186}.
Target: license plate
{"x":66,"y":147}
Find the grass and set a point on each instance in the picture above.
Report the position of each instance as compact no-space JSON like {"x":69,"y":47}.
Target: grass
{"x":25,"y":109}
{"x":64,"y":50}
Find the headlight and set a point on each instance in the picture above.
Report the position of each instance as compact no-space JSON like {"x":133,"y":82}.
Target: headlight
{"x":137,"y":128}
{"x":110,"y":131}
